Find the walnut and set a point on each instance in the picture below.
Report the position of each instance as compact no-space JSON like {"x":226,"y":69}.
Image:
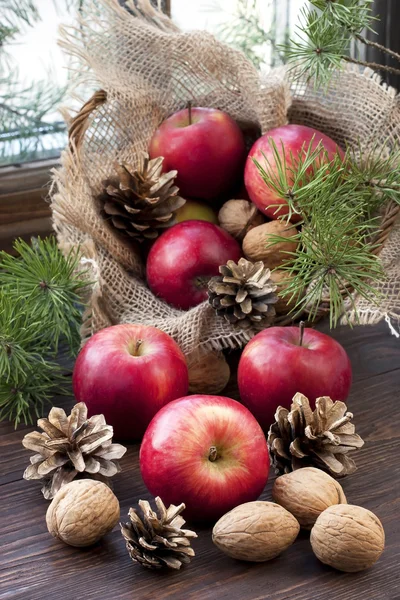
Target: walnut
{"x":82,"y":512}
{"x":306,"y":493}
{"x":258,"y":243}
{"x":285,"y":304}
{"x":255,"y":531}
{"x":208,"y":372}
{"x":348,"y":538}
{"x":237,"y":217}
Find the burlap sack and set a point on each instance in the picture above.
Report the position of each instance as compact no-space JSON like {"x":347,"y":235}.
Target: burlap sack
{"x":149,"y":70}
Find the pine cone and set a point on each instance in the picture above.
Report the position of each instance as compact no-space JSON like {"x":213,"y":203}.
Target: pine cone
{"x":70,"y":447}
{"x":243,"y":293}
{"x":157,"y":541}
{"x":321,"y":438}
{"x":140,"y":201}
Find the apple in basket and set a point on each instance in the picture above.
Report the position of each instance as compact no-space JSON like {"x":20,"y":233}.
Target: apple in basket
{"x":291,"y":142}
{"x":127,"y":373}
{"x":205,"y":146}
{"x":206,"y":451}
{"x":280,"y":361}
{"x":184,"y":258}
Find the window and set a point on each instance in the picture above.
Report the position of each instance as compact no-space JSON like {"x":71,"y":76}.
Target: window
{"x":34,"y":74}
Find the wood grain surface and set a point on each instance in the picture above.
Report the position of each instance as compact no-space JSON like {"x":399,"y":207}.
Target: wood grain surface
{"x":34,"y":566}
{"x":24,"y":209}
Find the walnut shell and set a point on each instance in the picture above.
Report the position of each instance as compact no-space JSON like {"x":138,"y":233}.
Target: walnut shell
{"x":255,"y":531}
{"x":237,"y":217}
{"x":82,"y":512}
{"x":348,"y":538}
{"x":306,"y":493}
{"x":208,"y":373}
{"x":257,"y":243}
{"x":282,"y":280}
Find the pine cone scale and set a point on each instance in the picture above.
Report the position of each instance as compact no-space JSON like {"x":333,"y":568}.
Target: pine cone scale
{"x":59,"y":419}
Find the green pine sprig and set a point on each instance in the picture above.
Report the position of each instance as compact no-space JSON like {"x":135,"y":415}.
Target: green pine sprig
{"x":47,"y":279}
{"x":40,"y":308}
{"x":338,"y":201}
{"x":28,"y":378}
{"x":325,"y":36}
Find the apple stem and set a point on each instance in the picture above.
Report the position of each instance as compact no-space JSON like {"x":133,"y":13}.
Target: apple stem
{"x":212,"y":454}
{"x":301,"y":327}
{"x":137,"y":346}
{"x":189,"y":105}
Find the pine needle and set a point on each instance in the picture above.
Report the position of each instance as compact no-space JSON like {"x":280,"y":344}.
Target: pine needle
{"x":40,"y":307}
{"x":47,"y":279}
{"x":339,"y":201}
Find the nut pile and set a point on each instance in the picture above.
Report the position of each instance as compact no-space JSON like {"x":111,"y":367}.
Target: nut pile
{"x":344,"y":536}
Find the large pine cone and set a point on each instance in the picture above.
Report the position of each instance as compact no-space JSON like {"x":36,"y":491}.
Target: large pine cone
{"x":140,"y":201}
{"x":321,"y":438}
{"x":70,"y":447}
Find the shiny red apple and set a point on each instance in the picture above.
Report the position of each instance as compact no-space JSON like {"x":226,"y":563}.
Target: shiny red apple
{"x":296,"y":140}
{"x":206,"y":451}
{"x":127,"y":373}
{"x":185,"y":257}
{"x":278,"y":362}
{"x":207,"y":149}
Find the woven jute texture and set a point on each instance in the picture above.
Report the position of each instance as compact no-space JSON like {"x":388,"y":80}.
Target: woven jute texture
{"x":148,"y":70}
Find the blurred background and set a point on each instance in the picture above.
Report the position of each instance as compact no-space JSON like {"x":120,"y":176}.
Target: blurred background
{"x":34,"y":81}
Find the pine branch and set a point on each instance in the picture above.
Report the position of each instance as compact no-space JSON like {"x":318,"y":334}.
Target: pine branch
{"x":323,"y":45}
{"x":40,"y":306}
{"x":27,"y":378}
{"x":48,"y":281}
{"x":338,"y":200}
{"x":24,"y":109}
{"x":372,"y":65}
{"x":242,"y":30}
{"x":377,"y":46}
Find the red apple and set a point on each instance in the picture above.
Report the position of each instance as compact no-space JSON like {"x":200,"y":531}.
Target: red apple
{"x":127,"y":373}
{"x":296,"y":139}
{"x":193,"y":210}
{"x":207,"y":149}
{"x":276,"y":364}
{"x":206,"y":451}
{"x":185,"y":257}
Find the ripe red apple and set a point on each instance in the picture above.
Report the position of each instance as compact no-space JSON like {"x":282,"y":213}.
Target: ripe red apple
{"x":277,"y":363}
{"x":296,"y":140}
{"x":206,"y":451}
{"x":127,"y":373}
{"x":193,"y":210}
{"x":185,"y":257}
{"x":207,"y":149}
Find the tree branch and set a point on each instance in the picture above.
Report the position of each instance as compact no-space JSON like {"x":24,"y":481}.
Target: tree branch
{"x":372,"y":65}
{"x":380,"y":47}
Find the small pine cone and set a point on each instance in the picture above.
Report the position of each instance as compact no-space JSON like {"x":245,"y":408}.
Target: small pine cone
{"x":71,"y":447}
{"x":158,"y":541}
{"x":321,"y":438}
{"x":140,"y":201}
{"x":244,"y":293}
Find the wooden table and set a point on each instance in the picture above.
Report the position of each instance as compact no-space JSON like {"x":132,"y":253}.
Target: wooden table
{"x":34,"y":566}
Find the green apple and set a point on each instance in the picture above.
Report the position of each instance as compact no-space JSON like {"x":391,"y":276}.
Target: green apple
{"x":196,"y":211}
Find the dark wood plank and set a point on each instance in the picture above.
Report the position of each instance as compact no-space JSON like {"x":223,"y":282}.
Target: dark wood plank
{"x":34,"y":565}
{"x":24,"y":210}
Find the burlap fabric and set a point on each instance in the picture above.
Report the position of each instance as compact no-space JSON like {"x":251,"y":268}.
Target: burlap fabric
{"x":149,"y":70}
